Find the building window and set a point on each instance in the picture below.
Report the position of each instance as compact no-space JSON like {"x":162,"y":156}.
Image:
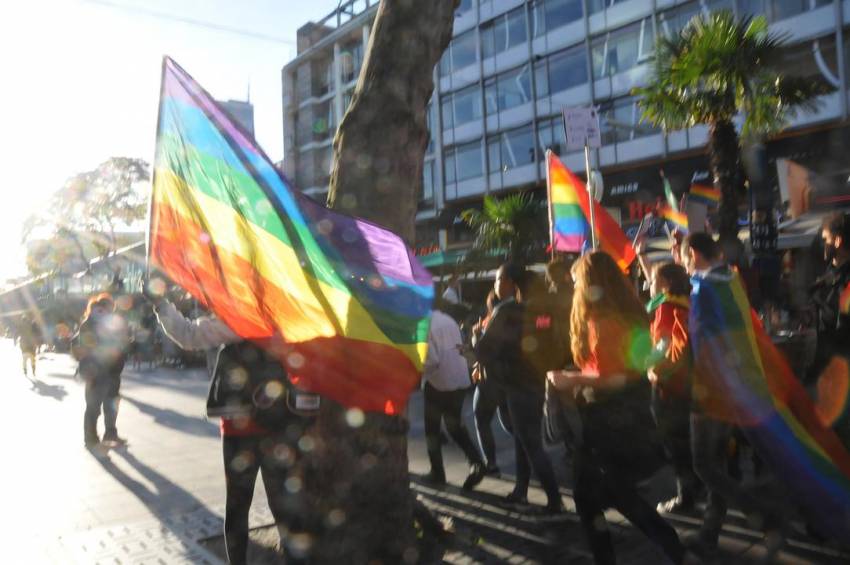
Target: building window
{"x":673,"y":21}
{"x":463,"y":52}
{"x":620,"y":121}
{"x":551,"y":135}
{"x":447,"y":112}
{"x":323,"y":163}
{"x":508,"y":90}
{"x":494,"y":159}
{"x":503,"y":32}
{"x":548,"y":15}
{"x":449,"y":170}
{"x":467,"y":105}
{"x":813,"y":59}
{"x":324,"y":122}
{"x":427,"y":182}
{"x":464,"y":7}
{"x":622,"y":49}
{"x":775,"y":10}
{"x":541,"y":78}
{"x":594,"y":6}
{"x":567,"y":69}
{"x":351,"y":59}
{"x":322,"y":77}
{"x":511,"y":149}
{"x":463,"y":162}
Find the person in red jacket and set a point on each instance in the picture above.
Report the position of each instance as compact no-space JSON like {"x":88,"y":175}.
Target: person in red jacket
{"x":670,"y":376}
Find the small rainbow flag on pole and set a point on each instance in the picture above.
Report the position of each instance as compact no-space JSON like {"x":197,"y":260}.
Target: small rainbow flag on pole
{"x":569,"y":208}
{"x":736,"y":359}
{"x":340,"y":301}
{"x":708,"y":195}
{"x":677,"y":218}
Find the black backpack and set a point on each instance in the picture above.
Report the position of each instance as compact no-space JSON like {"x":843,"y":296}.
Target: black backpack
{"x":248,"y":381}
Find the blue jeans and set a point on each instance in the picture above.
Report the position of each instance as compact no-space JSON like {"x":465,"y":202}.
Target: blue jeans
{"x":525,"y":408}
{"x":485,"y":402}
{"x":101,"y":393}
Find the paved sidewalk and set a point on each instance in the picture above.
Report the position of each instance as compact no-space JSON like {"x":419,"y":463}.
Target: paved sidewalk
{"x":154,"y":501}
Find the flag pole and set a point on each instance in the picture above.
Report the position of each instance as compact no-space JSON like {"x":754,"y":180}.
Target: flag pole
{"x":549,"y":206}
{"x":591,"y":200}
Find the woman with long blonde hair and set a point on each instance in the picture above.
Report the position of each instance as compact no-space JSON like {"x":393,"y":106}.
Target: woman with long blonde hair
{"x":610,"y":344}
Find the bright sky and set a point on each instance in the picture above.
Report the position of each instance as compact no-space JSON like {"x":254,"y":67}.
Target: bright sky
{"x":81,"y":84}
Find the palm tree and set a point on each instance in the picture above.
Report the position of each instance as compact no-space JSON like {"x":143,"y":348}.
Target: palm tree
{"x":512,"y":227}
{"x":714,"y":69}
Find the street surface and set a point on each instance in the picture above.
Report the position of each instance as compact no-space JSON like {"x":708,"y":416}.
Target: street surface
{"x":155,"y":500}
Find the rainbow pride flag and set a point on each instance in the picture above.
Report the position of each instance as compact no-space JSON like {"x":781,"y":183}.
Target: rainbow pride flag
{"x":677,"y":218}
{"x":736,"y":358}
{"x":342,"y":302}
{"x":569,"y":210}
{"x":708,"y":195}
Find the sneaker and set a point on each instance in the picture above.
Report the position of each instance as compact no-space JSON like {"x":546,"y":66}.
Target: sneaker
{"x":676,"y":504}
{"x":114,"y":441}
{"x":553,"y":513}
{"x":516,"y":499}
{"x":476,"y":475}
{"x":435,"y":479}
{"x":492,"y":470}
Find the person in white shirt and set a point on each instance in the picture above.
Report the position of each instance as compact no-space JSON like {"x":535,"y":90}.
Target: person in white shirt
{"x":446,"y":376}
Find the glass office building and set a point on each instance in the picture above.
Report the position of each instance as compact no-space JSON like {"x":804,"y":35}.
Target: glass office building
{"x":513,"y":65}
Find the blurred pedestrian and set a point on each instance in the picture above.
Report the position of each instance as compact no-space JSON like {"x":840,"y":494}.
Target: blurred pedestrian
{"x":261,"y":432}
{"x":28,"y":342}
{"x":610,"y":341}
{"x":446,"y":382}
{"x":501,"y":350}
{"x":488,"y":398}
{"x":100,"y":347}
{"x":670,"y":376}
{"x":713,"y":418}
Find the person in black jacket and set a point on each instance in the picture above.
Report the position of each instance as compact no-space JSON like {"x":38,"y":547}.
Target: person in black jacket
{"x":263,"y":421}
{"x":506,"y":352}
{"x":100,"y":346}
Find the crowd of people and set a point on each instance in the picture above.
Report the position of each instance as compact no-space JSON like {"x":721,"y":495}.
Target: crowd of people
{"x":630,"y":393}
{"x":580,"y":357}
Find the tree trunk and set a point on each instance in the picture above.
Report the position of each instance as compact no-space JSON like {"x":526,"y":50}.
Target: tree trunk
{"x":724,"y":153}
{"x":357,"y":476}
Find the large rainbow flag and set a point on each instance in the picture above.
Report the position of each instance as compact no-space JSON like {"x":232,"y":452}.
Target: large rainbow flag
{"x":735,"y":356}
{"x":569,"y":210}
{"x":341,"y":301}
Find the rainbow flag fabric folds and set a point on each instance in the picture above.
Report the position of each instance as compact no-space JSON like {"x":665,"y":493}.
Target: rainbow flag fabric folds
{"x":677,"y":218}
{"x":708,"y":195}
{"x":736,"y":358}
{"x":342,"y":302}
{"x":569,"y":210}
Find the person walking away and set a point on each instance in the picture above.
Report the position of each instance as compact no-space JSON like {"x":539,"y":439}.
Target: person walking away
{"x":712,"y":420}
{"x":831,"y":295}
{"x":488,"y":398}
{"x":610,"y":342}
{"x":446,"y":378}
{"x":249,"y":446}
{"x":670,"y":377}
{"x":500,"y":350}
{"x":28,"y":342}
{"x":100,"y":347}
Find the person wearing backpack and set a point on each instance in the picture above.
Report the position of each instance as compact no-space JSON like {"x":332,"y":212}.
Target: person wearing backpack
{"x":263,"y":419}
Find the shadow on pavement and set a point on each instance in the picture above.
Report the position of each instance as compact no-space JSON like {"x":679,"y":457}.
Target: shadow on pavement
{"x":175,"y":420}
{"x":166,"y":498}
{"x":55,"y":392}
